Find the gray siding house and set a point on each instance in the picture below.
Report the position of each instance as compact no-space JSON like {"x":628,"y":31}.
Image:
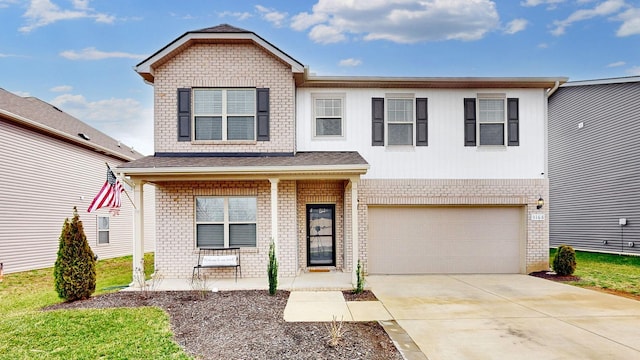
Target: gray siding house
{"x":594,"y":165}
{"x":49,"y":163}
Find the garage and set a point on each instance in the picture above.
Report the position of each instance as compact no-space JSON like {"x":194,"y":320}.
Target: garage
{"x":441,"y":240}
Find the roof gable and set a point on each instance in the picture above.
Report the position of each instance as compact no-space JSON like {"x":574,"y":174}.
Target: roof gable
{"x":223,"y":33}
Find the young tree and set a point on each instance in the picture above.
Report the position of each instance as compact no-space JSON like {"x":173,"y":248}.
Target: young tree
{"x":75,"y":268}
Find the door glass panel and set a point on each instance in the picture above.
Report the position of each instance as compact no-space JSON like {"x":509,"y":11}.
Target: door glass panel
{"x":321,"y":236}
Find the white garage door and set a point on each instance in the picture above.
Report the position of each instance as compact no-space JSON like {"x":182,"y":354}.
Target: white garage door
{"x":437,"y":240}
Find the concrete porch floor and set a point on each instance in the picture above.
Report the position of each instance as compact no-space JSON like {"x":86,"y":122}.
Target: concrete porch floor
{"x":308,"y":281}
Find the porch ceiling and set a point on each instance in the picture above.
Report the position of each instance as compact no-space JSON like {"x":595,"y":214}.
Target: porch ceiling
{"x":191,"y":166}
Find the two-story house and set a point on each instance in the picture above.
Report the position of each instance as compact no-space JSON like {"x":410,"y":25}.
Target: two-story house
{"x":406,"y":175}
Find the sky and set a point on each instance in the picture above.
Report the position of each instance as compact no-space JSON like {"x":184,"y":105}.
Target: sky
{"x":79,"y":55}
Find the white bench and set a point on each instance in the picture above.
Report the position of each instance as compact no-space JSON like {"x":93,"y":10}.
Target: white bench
{"x":218,"y":258}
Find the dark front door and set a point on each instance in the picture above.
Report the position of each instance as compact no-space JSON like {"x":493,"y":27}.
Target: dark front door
{"x":321,"y":238}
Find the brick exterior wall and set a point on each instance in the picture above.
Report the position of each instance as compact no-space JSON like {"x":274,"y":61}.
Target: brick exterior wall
{"x":176,"y":251}
{"x":244,"y":65}
{"x":523,"y":192}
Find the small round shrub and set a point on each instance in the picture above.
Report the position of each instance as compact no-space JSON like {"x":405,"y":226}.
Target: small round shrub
{"x":564,"y":263}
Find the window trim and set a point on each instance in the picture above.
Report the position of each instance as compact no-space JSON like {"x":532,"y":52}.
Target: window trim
{"x":225,"y":222}
{"x":224,"y":115}
{"x":492,"y":96}
{"x":400,"y":96}
{"x":314,"y":116}
{"x":107,"y":230}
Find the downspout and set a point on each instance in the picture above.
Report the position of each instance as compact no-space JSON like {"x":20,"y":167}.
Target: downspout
{"x":553,"y":89}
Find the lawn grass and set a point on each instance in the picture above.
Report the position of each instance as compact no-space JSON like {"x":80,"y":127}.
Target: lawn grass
{"x":607,"y":271}
{"x":26,"y":332}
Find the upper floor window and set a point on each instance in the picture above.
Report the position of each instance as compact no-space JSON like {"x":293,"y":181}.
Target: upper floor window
{"x":400,"y":122}
{"x":494,"y":121}
{"x":226,"y":221}
{"x":224,"y":114}
{"x":328,"y":115}
{"x":399,"y":119}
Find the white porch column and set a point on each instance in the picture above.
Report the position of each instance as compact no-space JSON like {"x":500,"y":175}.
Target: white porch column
{"x":355,"y":225}
{"x":138,"y":232}
{"x":274,"y":210}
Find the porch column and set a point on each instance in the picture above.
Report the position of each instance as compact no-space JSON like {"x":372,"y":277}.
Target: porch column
{"x":138,"y":232}
{"x":274,"y":210}
{"x":353,"y":183}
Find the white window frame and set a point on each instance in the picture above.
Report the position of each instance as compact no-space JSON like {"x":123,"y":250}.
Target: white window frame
{"x":99,"y":230}
{"x":224,"y":114}
{"x":226,"y":222}
{"x":315,"y":116}
{"x":412,"y":113}
{"x":479,"y":120}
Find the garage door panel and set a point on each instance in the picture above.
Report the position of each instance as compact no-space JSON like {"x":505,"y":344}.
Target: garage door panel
{"x":421,"y":240}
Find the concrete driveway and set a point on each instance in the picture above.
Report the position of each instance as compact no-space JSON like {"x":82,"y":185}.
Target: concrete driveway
{"x":509,"y":317}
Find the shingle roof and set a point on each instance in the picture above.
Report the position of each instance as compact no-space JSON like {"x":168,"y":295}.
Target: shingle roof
{"x":223,"y":28}
{"x":307,"y":160}
{"x":45,"y":117}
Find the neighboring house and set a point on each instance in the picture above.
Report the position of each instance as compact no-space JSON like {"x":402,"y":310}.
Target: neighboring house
{"x":51,"y":162}
{"x":594,"y":170}
{"x":407,"y":175}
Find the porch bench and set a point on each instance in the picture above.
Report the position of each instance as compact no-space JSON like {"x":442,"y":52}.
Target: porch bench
{"x":218,"y":258}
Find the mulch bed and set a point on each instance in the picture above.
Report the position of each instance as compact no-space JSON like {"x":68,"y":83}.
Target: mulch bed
{"x":248,"y":325}
{"x":365,"y":295}
{"x":550,"y":275}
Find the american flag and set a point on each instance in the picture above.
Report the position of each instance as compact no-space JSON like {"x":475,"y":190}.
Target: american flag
{"x":109,"y":195}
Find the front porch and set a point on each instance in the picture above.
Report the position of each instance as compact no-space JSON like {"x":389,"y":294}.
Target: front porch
{"x":333,"y":280}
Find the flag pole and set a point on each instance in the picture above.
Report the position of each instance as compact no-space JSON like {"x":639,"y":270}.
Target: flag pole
{"x":123,"y":189}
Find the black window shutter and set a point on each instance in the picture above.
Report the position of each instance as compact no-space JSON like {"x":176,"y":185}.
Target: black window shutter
{"x":469,"y":122}
{"x":184,"y":114}
{"x":422,"y":122}
{"x":377,"y":121}
{"x":513,"y":122}
{"x":262,"y":114}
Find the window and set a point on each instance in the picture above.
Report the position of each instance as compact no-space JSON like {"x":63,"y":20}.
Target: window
{"x":491,"y":120}
{"x":328,"y":115}
{"x":226,"y":221}
{"x":224,"y":114}
{"x":103,"y":230}
{"x":399,"y":121}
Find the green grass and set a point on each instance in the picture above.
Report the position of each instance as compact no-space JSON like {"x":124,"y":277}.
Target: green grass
{"x":26,"y":332}
{"x":607,"y":271}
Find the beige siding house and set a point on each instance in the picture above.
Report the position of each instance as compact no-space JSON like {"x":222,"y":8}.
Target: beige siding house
{"x":406,"y":175}
{"x":51,"y":162}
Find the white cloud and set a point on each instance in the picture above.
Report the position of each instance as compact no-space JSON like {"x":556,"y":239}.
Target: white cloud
{"x":21,"y":93}
{"x":543,"y":45}
{"x":516,"y":25}
{"x":630,"y":22}
{"x":552,"y":4}
{"x":350,"y":62}
{"x":605,"y":8}
{"x":238,"y":15}
{"x":126,"y":120}
{"x":635,"y":71}
{"x":401,"y":21}
{"x":92,"y":53}
{"x":44,"y":12}
{"x":7,"y":3}
{"x":61,"y":88}
{"x":617,"y":64}
{"x":271,"y":15}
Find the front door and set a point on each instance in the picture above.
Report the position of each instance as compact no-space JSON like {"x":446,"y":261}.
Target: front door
{"x":321,"y":238}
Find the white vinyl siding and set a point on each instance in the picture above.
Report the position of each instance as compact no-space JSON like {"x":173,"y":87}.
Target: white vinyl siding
{"x":40,"y":186}
{"x":226,"y":221}
{"x":445,"y":157}
{"x":224,"y":114}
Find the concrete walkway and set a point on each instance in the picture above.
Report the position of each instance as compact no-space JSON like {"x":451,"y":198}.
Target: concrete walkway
{"x":509,"y":317}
